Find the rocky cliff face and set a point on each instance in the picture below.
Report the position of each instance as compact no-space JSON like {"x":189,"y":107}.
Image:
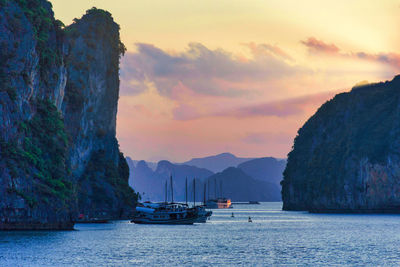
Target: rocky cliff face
{"x":346,"y":157}
{"x":94,"y":50}
{"x":57,"y":118}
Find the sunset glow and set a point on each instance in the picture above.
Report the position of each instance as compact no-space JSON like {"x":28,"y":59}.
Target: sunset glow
{"x":206,"y":77}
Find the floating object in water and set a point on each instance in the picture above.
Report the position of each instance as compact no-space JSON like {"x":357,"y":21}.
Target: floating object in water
{"x":250,"y":219}
{"x":232,"y":215}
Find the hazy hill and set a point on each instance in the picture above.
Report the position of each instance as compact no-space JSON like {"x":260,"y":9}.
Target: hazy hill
{"x":218,"y":162}
{"x":256,"y":179}
{"x":239,"y":186}
{"x":265,"y":169}
{"x":144,"y":179}
{"x":151,"y":165}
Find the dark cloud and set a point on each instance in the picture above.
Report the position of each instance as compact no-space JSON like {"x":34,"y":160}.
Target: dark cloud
{"x":202,"y":70}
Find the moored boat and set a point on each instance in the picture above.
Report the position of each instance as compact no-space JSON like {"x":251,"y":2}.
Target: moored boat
{"x":203,"y":214}
{"x":219,"y":203}
{"x":164,"y":213}
{"x":170,"y":212}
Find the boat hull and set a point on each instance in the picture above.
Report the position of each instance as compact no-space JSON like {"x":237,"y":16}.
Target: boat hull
{"x":187,"y":221}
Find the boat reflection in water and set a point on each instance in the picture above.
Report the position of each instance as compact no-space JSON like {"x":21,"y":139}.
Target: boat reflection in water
{"x":170,"y":212}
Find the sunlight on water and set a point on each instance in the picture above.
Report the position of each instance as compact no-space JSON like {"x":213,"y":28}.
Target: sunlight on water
{"x":274,"y":237}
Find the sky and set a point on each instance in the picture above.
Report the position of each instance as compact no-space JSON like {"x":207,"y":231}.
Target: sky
{"x":207,"y":77}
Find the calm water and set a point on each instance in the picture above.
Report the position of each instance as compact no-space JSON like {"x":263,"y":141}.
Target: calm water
{"x":274,"y":238}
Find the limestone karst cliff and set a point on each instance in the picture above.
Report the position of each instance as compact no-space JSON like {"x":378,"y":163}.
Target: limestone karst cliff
{"x":59,"y":91}
{"x":346,"y":157}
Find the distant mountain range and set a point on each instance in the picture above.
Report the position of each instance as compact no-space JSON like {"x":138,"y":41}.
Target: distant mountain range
{"x":265,"y":169}
{"x":239,"y":186}
{"x":151,"y":165}
{"x":151,"y":184}
{"x":242,"y":179}
{"x":218,"y":162}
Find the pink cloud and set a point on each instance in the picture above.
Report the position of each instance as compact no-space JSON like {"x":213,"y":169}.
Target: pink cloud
{"x":204,"y":71}
{"x":318,"y":46}
{"x":267,"y":137}
{"x":283,"y":108}
{"x":392,"y":59}
{"x":185,"y":112}
{"x":267,"y":49}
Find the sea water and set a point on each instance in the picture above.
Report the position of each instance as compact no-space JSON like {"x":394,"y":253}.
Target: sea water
{"x":274,"y":237}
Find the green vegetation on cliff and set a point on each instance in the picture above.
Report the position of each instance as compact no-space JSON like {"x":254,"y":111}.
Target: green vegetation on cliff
{"x":43,"y":22}
{"x":45,"y":145}
{"x":105,"y":179}
{"x":42,"y":154}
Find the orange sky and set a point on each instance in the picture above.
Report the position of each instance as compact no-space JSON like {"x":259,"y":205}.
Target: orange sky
{"x":205,"y":77}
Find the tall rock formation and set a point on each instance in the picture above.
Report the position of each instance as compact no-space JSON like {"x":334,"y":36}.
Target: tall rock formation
{"x":51,"y":144}
{"x":90,"y":109}
{"x":346,"y":157}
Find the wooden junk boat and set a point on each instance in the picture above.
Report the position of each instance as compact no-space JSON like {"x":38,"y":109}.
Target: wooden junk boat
{"x":170,"y":212}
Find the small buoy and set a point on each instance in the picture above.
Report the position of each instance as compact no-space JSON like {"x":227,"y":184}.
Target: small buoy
{"x":250,"y":219}
{"x":232,"y":215}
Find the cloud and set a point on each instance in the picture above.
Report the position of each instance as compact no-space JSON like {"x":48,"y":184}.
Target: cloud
{"x":320,"y":47}
{"x":257,"y":138}
{"x":391,"y":59}
{"x":267,"y":49}
{"x":282,"y":108}
{"x":204,"y":71}
{"x":317,"y":46}
{"x":185,"y":112}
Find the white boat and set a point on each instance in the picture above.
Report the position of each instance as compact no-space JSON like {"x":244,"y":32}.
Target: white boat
{"x":165,"y":213}
{"x":219,"y":203}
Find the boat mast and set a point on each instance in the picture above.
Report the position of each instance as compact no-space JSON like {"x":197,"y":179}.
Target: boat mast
{"x":186,"y":191}
{"x":194,"y":192}
{"x":215,"y":188}
{"x":204,"y":197}
{"x":166,"y":191}
{"x":220,"y":191}
{"x":172,"y":190}
{"x":208,"y":192}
